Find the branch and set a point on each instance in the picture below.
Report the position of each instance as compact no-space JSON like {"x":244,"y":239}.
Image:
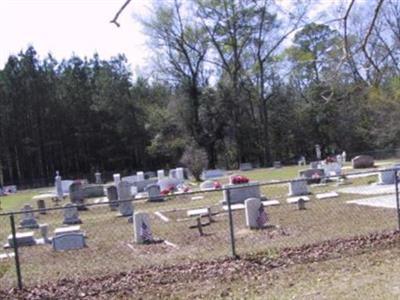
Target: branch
{"x":115,"y":20}
{"x":371,"y":27}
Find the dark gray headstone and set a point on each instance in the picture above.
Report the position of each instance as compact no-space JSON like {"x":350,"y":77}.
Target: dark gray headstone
{"x":76,"y":195}
{"x":112,"y":195}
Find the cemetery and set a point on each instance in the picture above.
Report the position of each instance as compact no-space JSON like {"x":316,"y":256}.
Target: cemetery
{"x":114,"y":230}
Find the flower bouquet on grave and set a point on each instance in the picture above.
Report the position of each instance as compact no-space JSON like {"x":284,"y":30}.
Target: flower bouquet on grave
{"x":169,"y":190}
{"x":217,"y":185}
{"x":239,"y":179}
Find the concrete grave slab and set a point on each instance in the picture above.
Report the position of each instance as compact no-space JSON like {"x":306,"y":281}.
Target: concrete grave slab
{"x":197,"y":212}
{"x":234,"y":206}
{"x":293,"y":200}
{"x":372,"y":189}
{"x":69,"y":229}
{"x":327,"y":195}
{"x":270,"y":202}
{"x":385,"y":201}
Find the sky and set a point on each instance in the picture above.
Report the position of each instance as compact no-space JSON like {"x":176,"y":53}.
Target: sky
{"x":66,"y":27}
{"x":80,"y":27}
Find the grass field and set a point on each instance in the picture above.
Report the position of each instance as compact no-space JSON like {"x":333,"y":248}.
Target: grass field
{"x":110,"y":238}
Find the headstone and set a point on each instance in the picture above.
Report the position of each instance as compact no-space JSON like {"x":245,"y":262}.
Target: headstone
{"x":71,"y":215}
{"x":312,"y":175}
{"x":141,"y":228}
{"x":215,"y":173}
{"x":298,"y":188}
{"x":98,"y":179}
{"x":256,"y":217}
{"x":124,"y":194}
{"x":387,"y":176}
{"x":149,"y":174}
{"x":245,"y":167}
{"x":65,"y":185}
{"x":302,"y":161}
{"x":314,"y":164}
{"x":41,"y":204}
{"x":154,"y":192}
{"x":93,"y":190}
{"x":207,"y":185}
{"x":59,"y":188}
{"x":362,"y":161}
{"x":240,"y":192}
{"x":22,"y":238}
{"x":277,"y":164}
{"x":117,"y":180}
{"x":344,"y":156}
{"x":172,"y":173}
{"x":180,"y":174}
{"x":160,"y":174}
{"x":112,"y":196}
{"x":318,"y":151}
{"x":44,"y":231}
{"x":77,"y":196}
{"x":68,"y":241}
{"x":131,"y":179}
{"x":331,"y":168}
{"x":28,"y":218}
{"x":140,"y":176}
{"x":339,"y":159}
{"x":168,"y":183}
{"x":301,"y":204}
{"x":141,"y":184}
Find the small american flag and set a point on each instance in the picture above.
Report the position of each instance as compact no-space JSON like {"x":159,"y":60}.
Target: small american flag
{"x":145,"y":232}
{"x":262,"y":217}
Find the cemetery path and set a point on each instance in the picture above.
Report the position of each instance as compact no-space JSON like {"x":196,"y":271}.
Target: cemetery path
{"x":353,"y":268}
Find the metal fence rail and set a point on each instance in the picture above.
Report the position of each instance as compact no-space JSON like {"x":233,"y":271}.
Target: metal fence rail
{"x":184,"y":238}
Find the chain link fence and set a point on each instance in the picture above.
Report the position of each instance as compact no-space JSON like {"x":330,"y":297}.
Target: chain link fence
{"x":200,"y":226}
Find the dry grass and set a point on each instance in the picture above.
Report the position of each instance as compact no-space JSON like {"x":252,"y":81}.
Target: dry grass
{"x":110,"y":238}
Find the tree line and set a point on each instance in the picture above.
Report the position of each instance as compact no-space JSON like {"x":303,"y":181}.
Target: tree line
{"x":240,"y":80}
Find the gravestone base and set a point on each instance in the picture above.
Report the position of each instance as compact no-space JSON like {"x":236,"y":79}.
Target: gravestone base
{"x":30,"y":224}
{"x":23,"y":239}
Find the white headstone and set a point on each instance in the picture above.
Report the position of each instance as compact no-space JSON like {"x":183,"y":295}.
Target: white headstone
{"x":298,"y":188}
{"x":160,"y":174}
{"x":318,"y":151}
{"x":59,"y":188}
{"x":141,"y":228}
{"x":180,"y":174}
{"x":140,"y":176}
{"x":117,"y":179}
{"x":344,"y":156}
{"x":253,"y":207}
{"x":97,"y":176}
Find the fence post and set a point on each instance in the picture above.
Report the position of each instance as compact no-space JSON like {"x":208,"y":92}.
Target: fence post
{"x":396,"y":180}
{"x":232,"y":235}
{"x":16,"y":256}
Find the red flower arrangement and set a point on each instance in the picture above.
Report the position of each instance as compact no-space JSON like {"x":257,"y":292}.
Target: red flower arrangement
{"x":239,"y":179}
